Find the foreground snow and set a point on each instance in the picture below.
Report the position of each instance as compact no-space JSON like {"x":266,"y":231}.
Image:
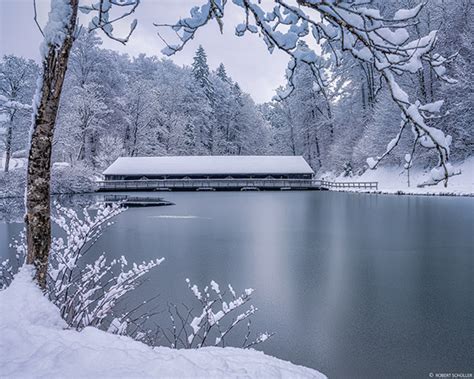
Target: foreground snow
{"x":35,"y":343}
{"x":394,"y":180}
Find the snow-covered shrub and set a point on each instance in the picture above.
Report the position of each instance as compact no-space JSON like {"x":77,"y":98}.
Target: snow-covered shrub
{"x":209,"y":324}
{"x":72,"y":179}
{"x":65,"y":180}
{"x":87,"y":293}
{"x":347,"y":169}
{"x":218,"y":314}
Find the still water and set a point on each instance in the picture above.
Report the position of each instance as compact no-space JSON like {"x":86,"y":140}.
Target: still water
{"x":354,"y":285}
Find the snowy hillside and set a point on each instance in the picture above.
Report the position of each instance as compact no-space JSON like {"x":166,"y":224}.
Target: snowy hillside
{"x":393,"y":179}
{"x":36,"y":343}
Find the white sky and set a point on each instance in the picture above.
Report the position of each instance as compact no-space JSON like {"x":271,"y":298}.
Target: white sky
{"x":246,"y":58}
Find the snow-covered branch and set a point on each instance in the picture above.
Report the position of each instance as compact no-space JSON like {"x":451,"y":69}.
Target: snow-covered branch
{"x":219,"y":313}
{"x":104,"y":20}
{"x":6,"y":105}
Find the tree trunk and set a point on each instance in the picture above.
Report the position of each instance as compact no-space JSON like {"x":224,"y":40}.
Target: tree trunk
{"x":316,"y":139}
{"x":93,"y":148}
{"x":318,"y":151}
{"x":8,"y":144}
{"x":292,"y":139}
{"x":38,"y":216}
{"x":134,"y":142}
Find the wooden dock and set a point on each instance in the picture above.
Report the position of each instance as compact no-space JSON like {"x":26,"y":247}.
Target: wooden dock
{"x":137,"y":201}
{"x":228,"y":185}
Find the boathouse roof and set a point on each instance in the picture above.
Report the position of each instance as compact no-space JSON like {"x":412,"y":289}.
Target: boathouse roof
{"x":209,"y":165}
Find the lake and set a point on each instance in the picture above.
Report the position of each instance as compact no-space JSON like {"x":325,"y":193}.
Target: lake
{"x":354,"y":285}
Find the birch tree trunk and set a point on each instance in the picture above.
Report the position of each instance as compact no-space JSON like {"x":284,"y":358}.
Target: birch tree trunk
{"x":38,"y":217}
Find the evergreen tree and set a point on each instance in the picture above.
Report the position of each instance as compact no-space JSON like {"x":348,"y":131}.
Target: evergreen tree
{"x":222,"y":74}
{"x":201,"y":72}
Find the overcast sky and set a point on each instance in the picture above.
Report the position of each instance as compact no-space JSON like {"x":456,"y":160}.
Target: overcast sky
{"x":246,"y":58}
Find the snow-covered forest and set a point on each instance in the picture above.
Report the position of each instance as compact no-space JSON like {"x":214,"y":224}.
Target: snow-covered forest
{"x":116,"y":105}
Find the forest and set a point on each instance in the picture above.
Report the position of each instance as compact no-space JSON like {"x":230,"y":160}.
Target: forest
{"x":117,"y":105}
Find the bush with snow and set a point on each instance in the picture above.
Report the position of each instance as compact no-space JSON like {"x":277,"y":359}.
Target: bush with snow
{"x":86,"y":292}
{"x":218,"y":315}
{"x":72,"y":179}
{"x":65,"y":180}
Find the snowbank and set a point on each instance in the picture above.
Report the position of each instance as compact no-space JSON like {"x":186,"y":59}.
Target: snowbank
{"x":35,"y":343}
{"x":394,"y":180}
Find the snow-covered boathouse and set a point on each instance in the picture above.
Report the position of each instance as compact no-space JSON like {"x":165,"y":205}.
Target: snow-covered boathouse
{"x":208,"y":172}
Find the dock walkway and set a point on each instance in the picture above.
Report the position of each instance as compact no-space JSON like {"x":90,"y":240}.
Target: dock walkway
{"x":227,"y":184}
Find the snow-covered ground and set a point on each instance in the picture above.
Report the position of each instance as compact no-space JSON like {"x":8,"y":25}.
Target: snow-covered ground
{"x":394,"y":180}
{"x":35,"y":342}
{"x":14,"y":162}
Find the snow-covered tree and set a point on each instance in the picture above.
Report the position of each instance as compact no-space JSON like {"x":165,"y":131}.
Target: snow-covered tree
{"x":82,"y":119}
{"x":17,"y":83}
{"x":222,"y":73}
{"x":456,"y":37}
{"x":141,"y":115}
{"x":306,"y":118}
{"x":201,"y":72}
{"x":376,"y":126}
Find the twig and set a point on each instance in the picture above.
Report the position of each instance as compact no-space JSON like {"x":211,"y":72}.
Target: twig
{"x":35,"y":18}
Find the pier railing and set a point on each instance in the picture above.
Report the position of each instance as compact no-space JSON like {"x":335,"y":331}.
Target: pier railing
{"x":229,"y":184}
{"x":358,"y":185}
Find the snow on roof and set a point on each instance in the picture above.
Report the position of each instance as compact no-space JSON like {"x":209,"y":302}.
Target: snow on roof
{"x":209,"y":165}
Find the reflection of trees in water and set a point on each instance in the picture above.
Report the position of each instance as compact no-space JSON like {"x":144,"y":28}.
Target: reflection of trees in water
{"x":12,"y":209}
